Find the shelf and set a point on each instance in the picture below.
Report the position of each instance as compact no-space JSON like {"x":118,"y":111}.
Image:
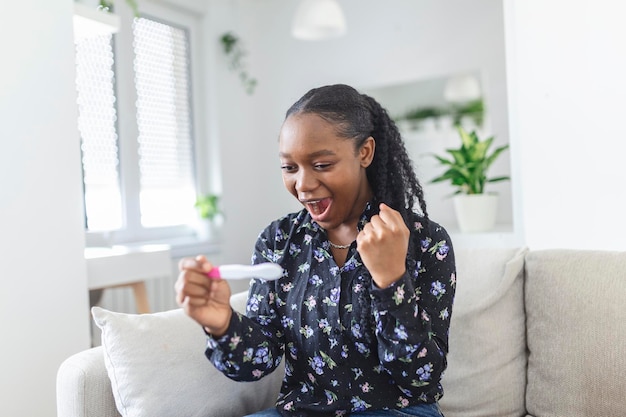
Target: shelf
{"x":89,"y":22}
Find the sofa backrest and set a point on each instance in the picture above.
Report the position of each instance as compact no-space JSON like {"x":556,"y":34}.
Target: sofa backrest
{"x":238,"y":301}
{"x":486,"y":373}
{"x":576,"y":331}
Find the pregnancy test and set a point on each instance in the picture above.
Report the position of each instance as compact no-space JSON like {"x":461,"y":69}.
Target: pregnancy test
{"x":267,"y":271}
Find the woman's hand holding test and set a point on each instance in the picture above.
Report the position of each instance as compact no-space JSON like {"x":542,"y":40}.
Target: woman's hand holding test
{"x":205,"y":300}
{"x":383,"y":245}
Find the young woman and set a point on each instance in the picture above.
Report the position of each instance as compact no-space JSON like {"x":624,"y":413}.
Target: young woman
{"x":362,"y":312}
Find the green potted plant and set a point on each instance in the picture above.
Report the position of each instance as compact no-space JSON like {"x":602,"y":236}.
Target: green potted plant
{"x":209,"y":212}
{"x":416,"y":118}
{"x":466,"y":171}
{"x":207,"y":206}
{"x":474,"y":110}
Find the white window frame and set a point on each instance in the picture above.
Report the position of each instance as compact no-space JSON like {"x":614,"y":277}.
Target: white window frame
{"x":126,"y":96}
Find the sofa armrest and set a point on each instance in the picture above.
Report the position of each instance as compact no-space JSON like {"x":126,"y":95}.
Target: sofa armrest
{"x":83,"y":386}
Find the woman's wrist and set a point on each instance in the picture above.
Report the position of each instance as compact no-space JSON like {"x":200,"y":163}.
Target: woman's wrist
{"x":385,"y":282}
{"x":217,"y":332}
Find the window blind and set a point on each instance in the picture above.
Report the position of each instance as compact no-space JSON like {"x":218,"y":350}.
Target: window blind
{"x":162,"y":80}
{"x":95,"y":83}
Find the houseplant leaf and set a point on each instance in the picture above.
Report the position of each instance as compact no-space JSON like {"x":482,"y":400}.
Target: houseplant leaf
{"x":467,"y":170}
{"x":207,"y":206}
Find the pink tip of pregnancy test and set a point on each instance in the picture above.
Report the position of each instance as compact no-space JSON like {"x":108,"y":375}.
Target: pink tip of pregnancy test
{"x":214,"y":273}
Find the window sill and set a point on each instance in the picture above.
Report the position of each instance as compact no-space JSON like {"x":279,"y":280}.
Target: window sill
{"x":191,"y":246}
{"x":503,"y":235}
{"x":178,"y":247}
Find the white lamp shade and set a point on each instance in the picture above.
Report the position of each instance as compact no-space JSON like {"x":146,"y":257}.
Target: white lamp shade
{"x":462,"y":88}
{"x":318,"y":20}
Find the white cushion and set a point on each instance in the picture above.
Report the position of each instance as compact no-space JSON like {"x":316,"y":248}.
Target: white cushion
{"x":486,"y":373}
{"x":576,"y":315}
{"x":157,"y":367}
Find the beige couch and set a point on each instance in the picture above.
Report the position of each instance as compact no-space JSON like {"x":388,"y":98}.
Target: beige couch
{"x":538,"y":333}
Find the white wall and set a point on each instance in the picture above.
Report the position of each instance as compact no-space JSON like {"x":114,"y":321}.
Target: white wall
{"x":387,"y":43}
{"x":566,"y":99}
{"x":43,"y":290}
{"x":567,"y":63}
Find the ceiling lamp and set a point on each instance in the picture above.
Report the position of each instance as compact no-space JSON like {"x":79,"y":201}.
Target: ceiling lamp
{"x":461,"y":89}
{"x":318,"y":20}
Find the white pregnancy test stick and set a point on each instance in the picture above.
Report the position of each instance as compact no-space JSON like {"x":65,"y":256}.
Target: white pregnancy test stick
{"x":267,"y":271}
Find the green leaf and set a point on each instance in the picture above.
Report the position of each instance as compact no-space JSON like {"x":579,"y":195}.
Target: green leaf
{"x":328,"y":360}
{"x":458,"y":155}
{"x":498,"y":179}
{"x":479,"y":151}
{"x":233,"y":49}
{"x":133,"y":5}
{"x":467,"y":171}
{"x":467,"y":139}
{"x":443,"y":160}
{"x":207,"y":206}
{"x":495,"y":155}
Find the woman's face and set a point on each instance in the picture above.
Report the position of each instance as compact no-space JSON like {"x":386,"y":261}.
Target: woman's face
{"x":323,"y":170}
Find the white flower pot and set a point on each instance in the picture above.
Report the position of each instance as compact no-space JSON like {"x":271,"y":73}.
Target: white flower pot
{"x":476,"y":212}
{"x":206,"y":230}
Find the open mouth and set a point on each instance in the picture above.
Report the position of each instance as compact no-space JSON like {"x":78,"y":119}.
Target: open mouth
{"x":317,"y":207}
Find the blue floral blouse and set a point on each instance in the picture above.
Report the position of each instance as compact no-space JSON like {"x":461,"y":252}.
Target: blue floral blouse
{"x":349,"y":346}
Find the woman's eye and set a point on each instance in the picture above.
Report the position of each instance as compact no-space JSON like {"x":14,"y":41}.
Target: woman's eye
{"x":321,"y":166}
{"x":287,"y":168}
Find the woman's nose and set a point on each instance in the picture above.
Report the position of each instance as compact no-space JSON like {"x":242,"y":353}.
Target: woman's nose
{"x":306,"y":181}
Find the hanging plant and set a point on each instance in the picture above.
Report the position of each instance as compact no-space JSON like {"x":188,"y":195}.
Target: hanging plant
{"x":107,"y":5}
{"x":231,"y":45}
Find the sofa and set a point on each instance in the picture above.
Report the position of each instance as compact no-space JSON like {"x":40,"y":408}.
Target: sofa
{"x":533,"y":333}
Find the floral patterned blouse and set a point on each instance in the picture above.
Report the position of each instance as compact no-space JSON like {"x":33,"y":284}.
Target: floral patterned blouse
{"x":349,"y":346}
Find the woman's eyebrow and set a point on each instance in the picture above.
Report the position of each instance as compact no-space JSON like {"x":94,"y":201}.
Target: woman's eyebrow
{"x":323,"y":152}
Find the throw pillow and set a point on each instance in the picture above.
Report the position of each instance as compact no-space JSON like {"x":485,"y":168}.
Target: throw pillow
{"x":576,"y":308}
{"x":157,"y":367}
{"x":486,"y":373}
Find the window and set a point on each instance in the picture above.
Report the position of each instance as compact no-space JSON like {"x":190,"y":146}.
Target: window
{"x":137,"y":133}
{"x":97,"y":118}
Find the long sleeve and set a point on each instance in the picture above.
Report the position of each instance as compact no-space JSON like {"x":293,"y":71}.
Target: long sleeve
{"x":413,"y":317}
{"x":253,"y":345}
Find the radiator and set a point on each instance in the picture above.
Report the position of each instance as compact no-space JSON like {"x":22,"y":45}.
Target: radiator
{"x":161,"y":296}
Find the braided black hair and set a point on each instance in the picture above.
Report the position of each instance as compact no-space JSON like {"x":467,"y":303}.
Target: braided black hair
{"x":358,"y":116}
